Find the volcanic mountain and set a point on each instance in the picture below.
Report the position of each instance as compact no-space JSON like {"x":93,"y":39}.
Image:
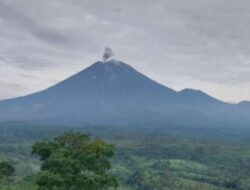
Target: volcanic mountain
{"x":114,"y":93}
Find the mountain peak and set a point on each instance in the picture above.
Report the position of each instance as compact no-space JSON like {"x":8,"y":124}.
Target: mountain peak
{"x":112,"y":65}
{"x":111,"y":92}
{"x":112,"y":62}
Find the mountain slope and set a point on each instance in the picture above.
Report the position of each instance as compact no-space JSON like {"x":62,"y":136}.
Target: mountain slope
{"x":102,"y":91}
{"x":113,"y":93}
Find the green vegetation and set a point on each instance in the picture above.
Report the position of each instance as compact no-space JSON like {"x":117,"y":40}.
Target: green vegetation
{"x":144,"y":159}
{"x":73,"y":162}
{"x":6,"y":169}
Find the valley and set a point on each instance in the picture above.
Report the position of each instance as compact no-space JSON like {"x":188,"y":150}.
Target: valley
{"x":145,"y":158}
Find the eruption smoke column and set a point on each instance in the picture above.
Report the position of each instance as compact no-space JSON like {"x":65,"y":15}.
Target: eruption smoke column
{"x":107,"y":54}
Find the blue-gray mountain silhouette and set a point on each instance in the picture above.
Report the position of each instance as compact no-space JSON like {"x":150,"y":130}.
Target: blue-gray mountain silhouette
{"x":114,"y":93}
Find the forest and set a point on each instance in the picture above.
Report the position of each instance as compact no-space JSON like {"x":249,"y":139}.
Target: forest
{"x":145,"y":158}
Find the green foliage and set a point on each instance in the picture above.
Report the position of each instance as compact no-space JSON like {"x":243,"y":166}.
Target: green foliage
{"x":244,"y":184}
{"x":73,"y":161}
{"x":147,"y":158}
{"x":6,"y":169}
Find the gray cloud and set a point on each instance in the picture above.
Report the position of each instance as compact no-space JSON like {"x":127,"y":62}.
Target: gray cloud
{"x":8,"y":89}
{"x":27,"y":24}
{"x":194,"y":43}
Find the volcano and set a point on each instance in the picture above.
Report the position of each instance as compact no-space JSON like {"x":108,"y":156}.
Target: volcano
{"x":114,"y":93}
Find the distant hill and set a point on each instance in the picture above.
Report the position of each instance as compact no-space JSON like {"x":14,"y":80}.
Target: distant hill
{"x":114,"y":93}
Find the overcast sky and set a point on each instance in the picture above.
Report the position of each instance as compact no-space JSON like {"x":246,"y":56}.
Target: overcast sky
{"x":201,"y":44}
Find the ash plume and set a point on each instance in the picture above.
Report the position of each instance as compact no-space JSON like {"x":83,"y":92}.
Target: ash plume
{"x":107,"y":54}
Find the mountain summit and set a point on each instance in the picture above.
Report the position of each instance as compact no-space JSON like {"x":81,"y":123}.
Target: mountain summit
{"x":111,"y":92}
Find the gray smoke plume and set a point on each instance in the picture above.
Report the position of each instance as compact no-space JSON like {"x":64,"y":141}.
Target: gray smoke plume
{"x":107,"y":54}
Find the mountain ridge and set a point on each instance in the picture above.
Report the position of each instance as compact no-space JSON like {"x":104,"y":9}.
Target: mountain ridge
{"x":113,"y":92}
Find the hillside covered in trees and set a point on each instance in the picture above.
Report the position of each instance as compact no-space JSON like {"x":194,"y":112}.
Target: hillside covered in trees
{"x":144,"y":159}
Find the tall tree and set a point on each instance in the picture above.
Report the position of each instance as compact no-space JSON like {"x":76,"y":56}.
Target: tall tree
{"x":74,"y":161}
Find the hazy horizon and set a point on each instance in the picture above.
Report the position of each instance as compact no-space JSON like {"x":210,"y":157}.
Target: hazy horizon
{"x":195,"y":44}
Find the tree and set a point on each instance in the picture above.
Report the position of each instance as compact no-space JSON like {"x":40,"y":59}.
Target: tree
{"x":6,"y":169}
{"x":73,"y":161}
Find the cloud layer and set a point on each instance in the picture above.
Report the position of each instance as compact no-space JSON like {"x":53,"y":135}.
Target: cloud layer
{"x":201,"y":44}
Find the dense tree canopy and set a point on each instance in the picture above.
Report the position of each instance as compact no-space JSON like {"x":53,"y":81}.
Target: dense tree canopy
{"x":6,"y":169}
{"x":145,"y":159}
{"x":73,"y":161}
